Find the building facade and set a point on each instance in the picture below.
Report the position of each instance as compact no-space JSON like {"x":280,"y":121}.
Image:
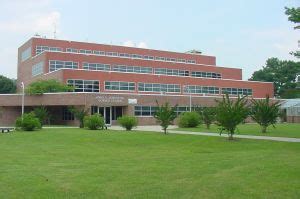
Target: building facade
{"x":117,"y":80}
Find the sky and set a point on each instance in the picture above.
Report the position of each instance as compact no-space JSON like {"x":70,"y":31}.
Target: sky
{"x":240,"y":33}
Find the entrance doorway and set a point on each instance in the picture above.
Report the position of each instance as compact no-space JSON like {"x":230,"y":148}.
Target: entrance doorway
{"x":109,"y":113}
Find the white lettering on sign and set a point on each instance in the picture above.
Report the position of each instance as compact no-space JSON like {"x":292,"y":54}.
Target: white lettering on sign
{"x":110,"y":99}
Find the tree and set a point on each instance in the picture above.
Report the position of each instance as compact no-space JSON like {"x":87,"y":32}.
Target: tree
{"x":294,"y":16}
{"x":231,"y":113}
{"x":7,"y":85}
{"x":165,"y":115}
{"x":208,"y":115}
{"x":47,"y":86}
{"x":41,"y":113}
{"x":265,"y":112}
{"x":282,"y":73}
{"x":79,"y":114}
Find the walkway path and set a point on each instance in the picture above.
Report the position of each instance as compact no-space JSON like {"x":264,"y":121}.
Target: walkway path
{"x":171,"y":130}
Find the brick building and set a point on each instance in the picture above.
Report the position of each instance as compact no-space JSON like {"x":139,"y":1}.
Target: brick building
{"x":117,"y":80}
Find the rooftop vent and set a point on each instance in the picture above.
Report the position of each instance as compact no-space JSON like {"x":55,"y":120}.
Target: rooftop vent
{"x":197,"y":52}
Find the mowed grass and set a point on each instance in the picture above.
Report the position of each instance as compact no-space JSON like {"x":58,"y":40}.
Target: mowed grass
{"x":75,"y":163}
{"x":280,"y":130}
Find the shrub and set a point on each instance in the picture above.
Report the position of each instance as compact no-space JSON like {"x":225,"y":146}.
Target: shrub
{"x":47,"y":86}
{"x":127,"y":122}
{"x":189,"y":120}
{"x":94,"y":122}
{"x":28,"y":123}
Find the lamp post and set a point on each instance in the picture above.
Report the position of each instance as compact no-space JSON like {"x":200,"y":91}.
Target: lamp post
{"x":189,"y":91}
{"x":23,"y":94}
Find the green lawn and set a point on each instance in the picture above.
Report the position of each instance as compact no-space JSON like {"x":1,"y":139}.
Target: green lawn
{"x":280,"y":130}
{"x":64,"y":163}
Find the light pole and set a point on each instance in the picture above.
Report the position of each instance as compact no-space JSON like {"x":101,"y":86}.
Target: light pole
{"x":189,"y":91}
{"x":23,"y":94}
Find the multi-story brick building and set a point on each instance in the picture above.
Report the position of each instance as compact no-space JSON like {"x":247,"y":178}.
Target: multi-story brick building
{"x":117,"y":80}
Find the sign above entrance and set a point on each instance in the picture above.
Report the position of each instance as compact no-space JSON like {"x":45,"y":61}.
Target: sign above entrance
{"x":132,"y":101}
{"x":110,"y":99}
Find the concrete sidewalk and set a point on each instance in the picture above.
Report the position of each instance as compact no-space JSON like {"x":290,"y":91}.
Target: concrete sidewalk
{"x":171,"y":130}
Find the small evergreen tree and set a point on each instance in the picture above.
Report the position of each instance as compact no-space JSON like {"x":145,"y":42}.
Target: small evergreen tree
{"x":79,"y":114}
{"x":230,"y":113}
{"x":265,"y":112}
{"x":165,"y":115}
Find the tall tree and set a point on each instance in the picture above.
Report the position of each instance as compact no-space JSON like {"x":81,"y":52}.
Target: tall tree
{"x":294,"y":16}
{"x":282,"y":73}
{"x":165,"y":115}
{"x":7,"y":85}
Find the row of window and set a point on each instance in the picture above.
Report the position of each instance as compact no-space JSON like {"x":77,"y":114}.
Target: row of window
{"x":205,"y":74}
{"x":131,"y":69}
{"x":40,"y":49}
{"x":119,"y":86}
{"x":93,"y":86}
{"x":37,"y":69}
{"x":150,"y":110}
{"x":237,"y":91}
{"x":155,"y":87}
{"x":56,"y":64}
{"x":80,"y":85}
{"x":195,"y":89}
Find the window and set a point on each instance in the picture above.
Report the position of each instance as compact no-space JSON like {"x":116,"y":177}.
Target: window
{"x":56,"y":65}
{"x":71,"y":50}
{"x":67,"y":115}
{"x":38,"y":69}
{"x":84,"y":85}
{"x":26,"y":54}
{"x":150,"y":110}
{"x":96,"y":66}
{"x":155,"y":87}
{"x":175,"y":72}
{"x":205,"y":74}
{"x":97,"y":52}
{"x":112,"y":54}
{"x":83,"y":51}
{"x":237,"y":91}
{"x":119,"y":86}
{"x":40,"y":49}
{"x":196,"y":89}
{"x":131,"y":69}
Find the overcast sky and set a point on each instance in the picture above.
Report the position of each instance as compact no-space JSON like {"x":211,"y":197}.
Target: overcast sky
{"x":240,"y":33}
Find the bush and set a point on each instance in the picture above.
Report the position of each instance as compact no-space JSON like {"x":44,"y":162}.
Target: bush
{"x":189,"y":119}
{"x":28,"y":123}
{"x":94,"y":122}
{"x":127,"y":122}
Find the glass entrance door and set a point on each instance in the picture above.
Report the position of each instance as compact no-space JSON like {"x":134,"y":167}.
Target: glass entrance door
{"x":105,"y":112}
